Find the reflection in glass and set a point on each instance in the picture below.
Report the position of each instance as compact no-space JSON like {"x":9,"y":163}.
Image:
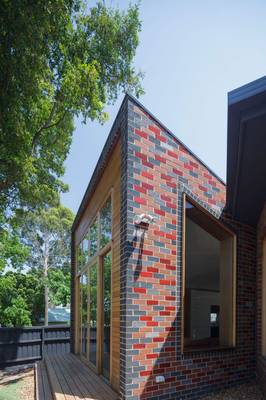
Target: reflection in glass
{"x":107,"y":313}
{"x":93,"y":313}
{"x":85,"y":246}
{"x":106,"y":223}
{"x":84,"y":312}
{"x":80,"y":258}
{"x":203,"y":255}
{"x":93,"y":238}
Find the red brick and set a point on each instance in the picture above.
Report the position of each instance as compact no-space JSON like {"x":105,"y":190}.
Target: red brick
{"x":139,"y":200}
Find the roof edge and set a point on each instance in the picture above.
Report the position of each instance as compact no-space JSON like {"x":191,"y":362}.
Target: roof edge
{"x":109,"y":144}
{"x":246,"y":91}
{"x":136,"y":101}
{"x":111,"y":140}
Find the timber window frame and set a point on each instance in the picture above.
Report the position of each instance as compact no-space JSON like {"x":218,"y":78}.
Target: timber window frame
{"x":95,"y":260}
{"x":227,"y":268}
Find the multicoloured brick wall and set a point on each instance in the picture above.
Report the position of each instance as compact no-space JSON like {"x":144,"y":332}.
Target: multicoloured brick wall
{"x":261,"y":361}
{"x":156,"y":169}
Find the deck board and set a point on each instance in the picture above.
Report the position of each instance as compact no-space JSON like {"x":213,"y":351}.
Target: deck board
{"x":77,"y":383}
{"x":43,"y":390}
{"x":70,"y":379}
{"x":97,"y":386}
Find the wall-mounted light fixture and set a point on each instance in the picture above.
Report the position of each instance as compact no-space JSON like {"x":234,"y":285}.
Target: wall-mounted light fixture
{"x":142,"y":223}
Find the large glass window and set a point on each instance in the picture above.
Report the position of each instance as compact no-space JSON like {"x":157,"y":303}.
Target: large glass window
{"x":93,"y":233}
{"x":94,"y":272}
{"x":84,"y":312}
{"x":209,"y":281}
{"x":106,"y":312}
{"x":106,"y":223}
{"x":93,"y":313}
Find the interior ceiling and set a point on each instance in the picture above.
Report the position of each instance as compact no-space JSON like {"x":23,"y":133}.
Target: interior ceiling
{"x":202,"y":258}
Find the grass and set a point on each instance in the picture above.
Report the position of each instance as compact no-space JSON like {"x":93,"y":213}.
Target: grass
{"x":10,"y":390}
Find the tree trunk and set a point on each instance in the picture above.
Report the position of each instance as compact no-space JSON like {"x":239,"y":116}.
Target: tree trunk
{"x":46,"y":294}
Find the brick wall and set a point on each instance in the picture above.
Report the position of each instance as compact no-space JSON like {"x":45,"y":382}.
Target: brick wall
{"x":261,"y":361}
{"x":156,"y":169}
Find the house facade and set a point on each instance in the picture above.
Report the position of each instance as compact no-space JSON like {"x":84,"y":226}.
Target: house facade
{"x":168,"y":296}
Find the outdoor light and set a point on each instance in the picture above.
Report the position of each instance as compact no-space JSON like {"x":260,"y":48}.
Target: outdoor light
{"x":144,"y":219}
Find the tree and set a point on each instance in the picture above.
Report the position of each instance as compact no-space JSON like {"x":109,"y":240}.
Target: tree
{"x":12,"y":251}
{"x":47,"y":235}
{"x":21,"y":298}
{"x":58,"y":59}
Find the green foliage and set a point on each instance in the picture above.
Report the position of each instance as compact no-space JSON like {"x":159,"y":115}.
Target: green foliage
{"x":16,"y":314}
{"x":59,"y":286}
{"x":21,"y":299}
{"x":58,"y":59}
{"x":12,"y":251}
{"x":46,"y":233}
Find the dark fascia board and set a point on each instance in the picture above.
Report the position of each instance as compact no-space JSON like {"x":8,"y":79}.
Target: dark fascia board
{"x":243,"y":102}
{"x":247,"y":91}
{"x":109,"y":146}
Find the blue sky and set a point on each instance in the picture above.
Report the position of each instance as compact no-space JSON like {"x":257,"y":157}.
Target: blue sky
{"x":192,"y":52}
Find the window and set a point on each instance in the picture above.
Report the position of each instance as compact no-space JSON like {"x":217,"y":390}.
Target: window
{"x":107,"y":262}
{"x":106,"y":223}
{"x":93,"y":235}
{"x":94,"y":258}
{"x":81,"y":258}
{"x":209,"y":280}
{"x":84,"y":312}
{"x":93,"y":287}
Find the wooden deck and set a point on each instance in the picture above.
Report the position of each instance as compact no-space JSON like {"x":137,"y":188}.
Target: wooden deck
{"x":65,"y":377}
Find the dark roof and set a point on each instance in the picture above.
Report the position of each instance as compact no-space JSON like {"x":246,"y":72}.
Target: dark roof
{"x":246,"y":151}
{"x":109,"y":145}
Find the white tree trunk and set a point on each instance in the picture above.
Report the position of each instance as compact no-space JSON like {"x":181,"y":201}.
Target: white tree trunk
{"x":46,"y":294}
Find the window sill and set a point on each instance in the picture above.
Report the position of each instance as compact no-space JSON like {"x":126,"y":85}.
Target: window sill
{"x":210,"y":349}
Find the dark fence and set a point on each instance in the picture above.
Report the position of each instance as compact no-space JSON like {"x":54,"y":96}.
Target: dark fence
{"x":26,"y":345}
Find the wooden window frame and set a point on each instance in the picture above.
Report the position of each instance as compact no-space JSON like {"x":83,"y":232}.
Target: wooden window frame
{"x":97,"y":259}
{"x":231,"y":335}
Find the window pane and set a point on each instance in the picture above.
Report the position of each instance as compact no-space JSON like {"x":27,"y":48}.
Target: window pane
{"x":93,"y":238}
{"x":106,"y":223}
{"x":107,"y":260}
{"x":93,"y":313}
{"x":203,"y":258}
{"x":85,"y":246}
{"x":84,"y":312}
{"x":80,"y":260}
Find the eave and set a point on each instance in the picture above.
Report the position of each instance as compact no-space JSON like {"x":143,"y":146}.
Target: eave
{"x":246,"y":151}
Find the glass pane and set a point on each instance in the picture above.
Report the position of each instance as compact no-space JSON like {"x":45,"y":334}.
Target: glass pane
{"x":86,"y":248}
{"x":80,"y":258}
{"x":107,"y":260}
{"x":106,"y":223}
{"x":93,"y":313}
{"x":84,"y":312}
{"x":93,"y":238}
{"x":203,"y":259}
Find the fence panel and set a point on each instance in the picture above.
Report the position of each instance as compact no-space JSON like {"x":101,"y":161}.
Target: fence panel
{"x":25,"y":345}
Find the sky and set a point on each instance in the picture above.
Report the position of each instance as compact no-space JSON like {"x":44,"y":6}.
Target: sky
{"x":193,"y":52}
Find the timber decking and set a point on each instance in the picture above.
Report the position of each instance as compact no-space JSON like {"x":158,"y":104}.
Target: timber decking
{"x":42,"y":385}
{"x":70,"y":379}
